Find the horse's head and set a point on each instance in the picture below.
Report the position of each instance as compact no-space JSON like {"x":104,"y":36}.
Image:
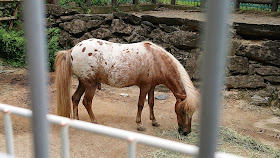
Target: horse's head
{"x":184,"y":116}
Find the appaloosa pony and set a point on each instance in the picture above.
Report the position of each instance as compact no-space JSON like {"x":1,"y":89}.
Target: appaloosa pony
{"x":143,"y":64}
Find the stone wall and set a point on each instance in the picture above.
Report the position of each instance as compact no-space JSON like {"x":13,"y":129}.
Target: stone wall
{"x":254,"y":59}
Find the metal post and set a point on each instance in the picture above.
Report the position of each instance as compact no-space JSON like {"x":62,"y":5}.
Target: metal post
{"x":35,"y":27}
{"x":65,"y":140}
{"x":8,"y":133}
{"x":131,"y":153}
{"x":214,"y":57}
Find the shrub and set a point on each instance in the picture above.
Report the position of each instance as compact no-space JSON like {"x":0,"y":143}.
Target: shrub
{"x":53,"y":46}
{"x":13,"y":47}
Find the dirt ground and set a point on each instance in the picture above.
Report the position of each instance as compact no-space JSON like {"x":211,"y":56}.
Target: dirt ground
{"x":251,"y":17}
{"x":117,"y":111}
{"x":114,"y":110}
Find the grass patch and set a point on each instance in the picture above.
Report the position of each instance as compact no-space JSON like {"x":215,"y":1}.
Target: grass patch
{"x":229,"y":141}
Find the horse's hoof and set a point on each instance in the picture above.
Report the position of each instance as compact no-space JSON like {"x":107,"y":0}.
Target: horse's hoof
{"x":94,"y":122}
{"x":155,"y":123}
{"x":141,"y":128}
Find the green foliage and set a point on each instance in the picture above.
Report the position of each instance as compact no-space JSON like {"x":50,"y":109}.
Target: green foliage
{"x":53,"y":45}
{"x":13,"y":47}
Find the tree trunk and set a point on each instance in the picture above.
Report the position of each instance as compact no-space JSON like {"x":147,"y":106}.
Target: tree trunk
{"x":88,"y":3}
{"x":172,"y":2}
{"x":114,"y":2}
{"x":274,"y":5}
{"x":56,"y":2}
{"x":202,"y":3}
{"x":236,"y":5}
{"x":135,"y":1}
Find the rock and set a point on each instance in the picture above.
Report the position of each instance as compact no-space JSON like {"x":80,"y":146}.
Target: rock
{"x":88,"y":17}
{"x":193,"y":65}
{"x":75,"y":26}
{"x":273,"y":79}
{"x":180,"y":55}
{"x":8,"y":71}
{"x":116,"y":40}
{"x":261,"y":53}
{"x":135,"y":37}
{"x":159,"y":35}
{"x":161,"y":97}
{"x":101,"y":33}
{"x":128,"y":18}
{"x":238,"y":65}
{"x":258,"y":100}
{"x":118,"y":26}
{"x":184,"y":39}
{"x":245,"y":81}
{"x":268,"y":70}
{"x":146,"y":24}
{"x":235,"y":44}
{"x":167,"y":29}
{"x":65,"y":39}
{"x":124,"y":95}
{"x":162,"y":20}
{"x":66,"y":18}
{"x":265,"y":97}
{"x":84,"y":37}
{"x":57,"y":11}
{"x":252,"y":67}
{"x":141,"y":31}
{"x":93,"y":24}
{"x":257,"y":31}
{"x":191,"y":25}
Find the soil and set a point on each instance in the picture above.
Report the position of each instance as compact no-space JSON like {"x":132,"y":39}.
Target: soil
{"x":112,"y":109}
{"x":251,"y":17}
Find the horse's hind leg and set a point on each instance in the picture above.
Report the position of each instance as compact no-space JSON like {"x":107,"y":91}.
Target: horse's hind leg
{"x":142,"y":97}
{"x":87,"y":101}
{"x":151,"y":105}
{"x":76,"y":99}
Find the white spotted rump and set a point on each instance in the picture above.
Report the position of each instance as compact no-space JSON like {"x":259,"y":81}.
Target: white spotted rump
{"x":114,"y":64}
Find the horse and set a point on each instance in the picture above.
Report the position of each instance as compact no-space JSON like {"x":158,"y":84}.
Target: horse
{"x":143,"y":64}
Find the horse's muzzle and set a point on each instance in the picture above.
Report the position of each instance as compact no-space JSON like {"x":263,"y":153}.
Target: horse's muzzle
{"x":184,"y":131}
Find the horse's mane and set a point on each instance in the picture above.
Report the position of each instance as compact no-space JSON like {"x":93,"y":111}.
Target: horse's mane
{"x":192,"y":95}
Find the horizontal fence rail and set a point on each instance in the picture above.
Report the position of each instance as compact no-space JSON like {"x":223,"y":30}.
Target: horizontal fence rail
{"x":131,"y":137}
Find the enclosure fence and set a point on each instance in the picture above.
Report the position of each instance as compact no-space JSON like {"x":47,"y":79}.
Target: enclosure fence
{"x":132,"y":138}
{"x":216,"y":35}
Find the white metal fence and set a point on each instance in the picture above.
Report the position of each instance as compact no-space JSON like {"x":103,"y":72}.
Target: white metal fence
{"x":132,"y":138}
{"x":216,"y":35}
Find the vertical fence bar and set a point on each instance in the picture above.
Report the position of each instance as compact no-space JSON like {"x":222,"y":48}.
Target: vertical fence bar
{"x":131,"y":148}
{"x":35,"y":27}
{"x":8,"y":133}
{"x":65,"y":150}
{"x":213,"y":68}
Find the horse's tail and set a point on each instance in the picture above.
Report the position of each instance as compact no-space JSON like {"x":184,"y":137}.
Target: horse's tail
{"x":63,"y":75}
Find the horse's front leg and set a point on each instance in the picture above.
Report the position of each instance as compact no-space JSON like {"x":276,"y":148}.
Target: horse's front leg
{"x":76,"y":99}
{"x":141,"y":101}
{"x":87,"y":101}
{"x":151,"y":105}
